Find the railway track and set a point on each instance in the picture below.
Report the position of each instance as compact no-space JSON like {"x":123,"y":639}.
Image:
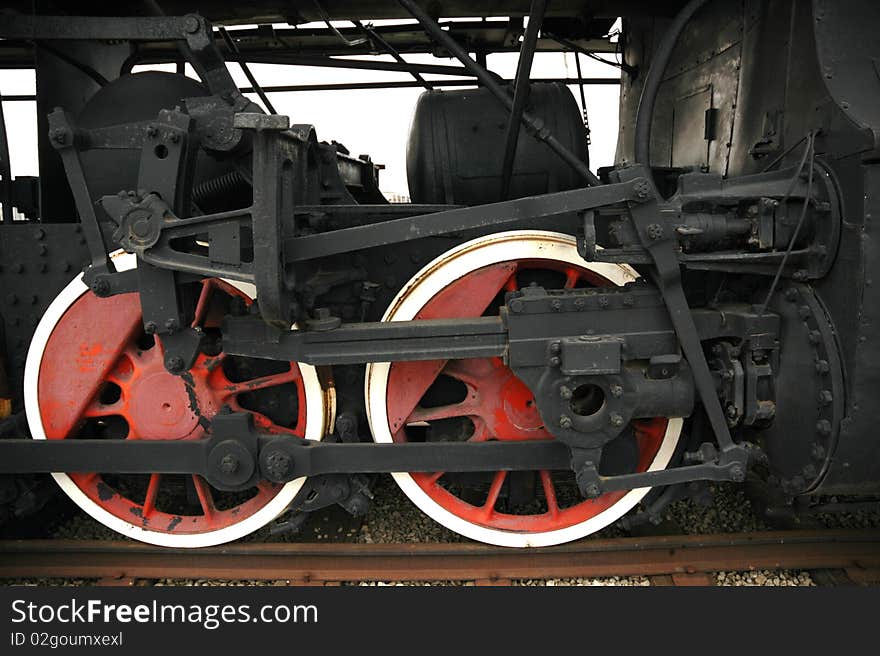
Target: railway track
{"x":853,"y":556}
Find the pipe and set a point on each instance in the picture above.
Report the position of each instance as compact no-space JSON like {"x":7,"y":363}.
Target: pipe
{"x":655,"y":76}
{"x":521,"y":92}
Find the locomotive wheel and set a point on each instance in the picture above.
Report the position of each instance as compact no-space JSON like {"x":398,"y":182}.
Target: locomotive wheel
{"x":481,"y":399}
{"x":92,"y":371}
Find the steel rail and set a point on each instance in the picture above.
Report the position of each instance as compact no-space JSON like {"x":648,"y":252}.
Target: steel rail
{"x":316,"y":563}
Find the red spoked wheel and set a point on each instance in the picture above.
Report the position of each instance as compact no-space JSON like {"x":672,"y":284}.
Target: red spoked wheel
{"x":92,"y":371}
{"x":481,"y":399}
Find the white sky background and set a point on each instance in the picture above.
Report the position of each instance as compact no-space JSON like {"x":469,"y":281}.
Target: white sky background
{"x":374,"y":122}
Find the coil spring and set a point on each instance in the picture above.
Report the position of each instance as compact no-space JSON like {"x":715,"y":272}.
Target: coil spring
{"x":211,"y":189}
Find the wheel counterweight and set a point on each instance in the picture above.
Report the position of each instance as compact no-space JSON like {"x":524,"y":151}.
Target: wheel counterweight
{"x":93,"y":371}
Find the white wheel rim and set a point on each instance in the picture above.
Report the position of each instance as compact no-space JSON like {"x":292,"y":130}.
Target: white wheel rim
{"x":316,"y":415}
{"x":437,"y":275}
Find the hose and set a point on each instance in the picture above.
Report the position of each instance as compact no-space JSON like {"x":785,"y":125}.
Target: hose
{"x":655,"y":76}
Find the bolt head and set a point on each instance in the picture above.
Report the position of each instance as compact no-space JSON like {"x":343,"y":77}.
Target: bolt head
{"x":229,"y":464}
{"x":515,"y":305}
{"x":565,"y":422}
{"x":616,"y":391}
{"x":737,"y":473}
{"x":615,"y":419}
{"x":565,"y":392}
{"x":191,"y":24}
{"x":278,"y":465}
{"x":174,"y":364}
{"x":100,"y":287}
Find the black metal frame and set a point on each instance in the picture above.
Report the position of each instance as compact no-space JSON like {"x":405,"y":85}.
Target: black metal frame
{"x":286,"y":164}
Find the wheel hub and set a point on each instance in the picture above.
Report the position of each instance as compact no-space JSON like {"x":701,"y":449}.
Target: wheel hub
{"x":161,"y":406}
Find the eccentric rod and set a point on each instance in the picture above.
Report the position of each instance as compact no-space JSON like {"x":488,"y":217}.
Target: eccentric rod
{"x":534,"y":125}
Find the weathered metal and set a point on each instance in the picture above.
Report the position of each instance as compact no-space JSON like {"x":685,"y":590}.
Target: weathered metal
{"x":744,"y":194}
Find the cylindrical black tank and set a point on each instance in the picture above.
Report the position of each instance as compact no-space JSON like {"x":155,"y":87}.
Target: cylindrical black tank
{"x":456,"y":146}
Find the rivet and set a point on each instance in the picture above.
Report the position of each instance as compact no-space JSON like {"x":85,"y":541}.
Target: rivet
{"x":555,"y":347}
{"x":825,"y":397}
{"x":823,"y":427}
{"x":822,"y":367}
{"x":615,"y":419}
{"x":565,"y":422}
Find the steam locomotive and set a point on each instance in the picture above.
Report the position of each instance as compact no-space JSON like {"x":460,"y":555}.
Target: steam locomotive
{"x":212,"y":318}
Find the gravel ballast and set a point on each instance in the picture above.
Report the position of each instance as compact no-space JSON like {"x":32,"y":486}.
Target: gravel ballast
{"x":394,"y":519}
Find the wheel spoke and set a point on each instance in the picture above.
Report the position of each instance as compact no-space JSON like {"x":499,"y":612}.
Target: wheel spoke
{"x":494,"y":490}
{"x":549,"y":493}
{"x":152,"y":492}
{"x":469,"y":372}
{"x":261,"y":420}
{"x":433,"y":477}
{"x":202,"y":304}
{"x":206,"y":498}
{"x":272,"y":380}
{"x":481,"y":431}
{"x":511,"y":284}
{"x":98,"y":409}
{"x":464,"y":409}
{"x":571,"y":278}
{"x":143,"y":358}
